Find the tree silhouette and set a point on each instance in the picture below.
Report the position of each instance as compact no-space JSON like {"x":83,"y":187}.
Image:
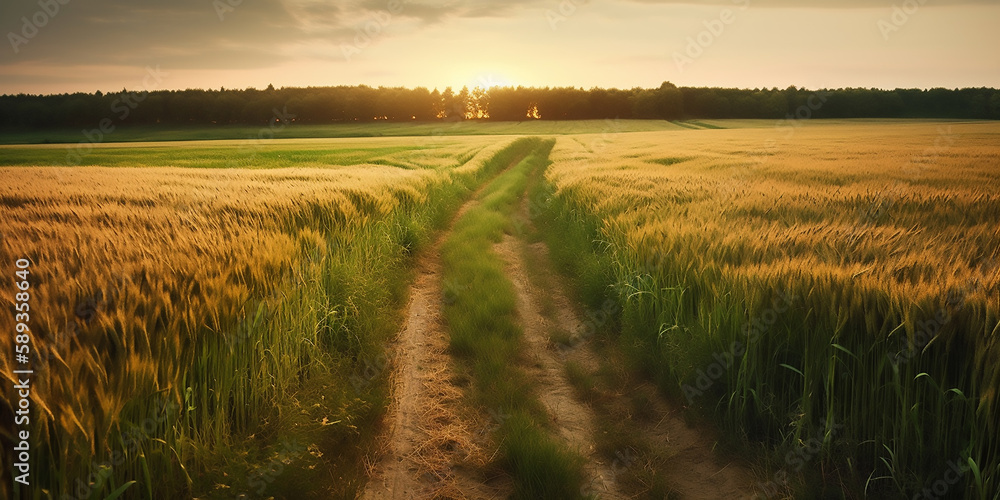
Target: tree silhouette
{"x":323,"y":105}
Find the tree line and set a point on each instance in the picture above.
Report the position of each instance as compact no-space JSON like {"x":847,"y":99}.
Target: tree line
{"x":324,"y":105}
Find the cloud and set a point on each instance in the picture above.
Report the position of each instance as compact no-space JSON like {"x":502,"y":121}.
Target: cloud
{"x":422,"y":11}
{"x":822,"y":4}
{"x":199,"y":33}
{"x":185,"y":33}
{"x":432,"y":12}
{"x":106,"y":42}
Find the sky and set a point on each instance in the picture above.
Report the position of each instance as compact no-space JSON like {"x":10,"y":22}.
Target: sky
{"x":56,"y":46}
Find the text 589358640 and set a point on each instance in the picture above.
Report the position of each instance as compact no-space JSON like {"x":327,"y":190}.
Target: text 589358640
{"x":22,"y":371}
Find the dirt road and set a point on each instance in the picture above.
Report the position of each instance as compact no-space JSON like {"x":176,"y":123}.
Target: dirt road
{"x":434,"y":444}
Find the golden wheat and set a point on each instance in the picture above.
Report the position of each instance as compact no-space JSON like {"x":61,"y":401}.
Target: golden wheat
{"x":151,"y":282}
{"x":885,"y":239}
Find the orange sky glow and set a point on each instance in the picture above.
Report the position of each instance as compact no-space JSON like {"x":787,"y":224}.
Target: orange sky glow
{"x":55,"y":46}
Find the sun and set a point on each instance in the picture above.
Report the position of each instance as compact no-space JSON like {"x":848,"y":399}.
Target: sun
{"x":487,"y":81}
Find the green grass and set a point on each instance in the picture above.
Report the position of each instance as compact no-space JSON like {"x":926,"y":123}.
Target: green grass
{"x":705,"y":125}
{"x":483,"y":326}
{"x":299,"y":153}
{"x":150,"y":133}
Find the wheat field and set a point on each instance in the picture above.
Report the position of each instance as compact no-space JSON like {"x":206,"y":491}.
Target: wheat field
{"x":177,"y":311}
{"x":207,"y":317}
{"x":826,"y":279}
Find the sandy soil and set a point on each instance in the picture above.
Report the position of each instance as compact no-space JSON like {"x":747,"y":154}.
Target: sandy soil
{"x":573,"y":419}
{"x":430,"y":449}
{"x":694,"y":470}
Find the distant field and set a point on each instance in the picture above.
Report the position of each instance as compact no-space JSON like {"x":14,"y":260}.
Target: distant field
{"x":293,"y":130}
{"x":408,"y":153}
{"x":800,"y":122}
{"x":252,"y":137}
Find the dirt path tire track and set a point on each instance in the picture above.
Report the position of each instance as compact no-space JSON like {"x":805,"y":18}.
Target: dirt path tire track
{"x":695,"y":471}
{"x":573,"y":419}
{"x":429,"y":449}
{"x":431,"y":442}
